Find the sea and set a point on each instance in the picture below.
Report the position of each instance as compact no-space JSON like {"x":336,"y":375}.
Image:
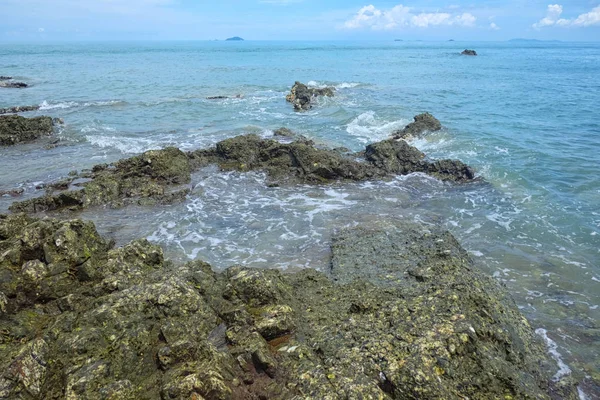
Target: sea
{"x":524,"y":114}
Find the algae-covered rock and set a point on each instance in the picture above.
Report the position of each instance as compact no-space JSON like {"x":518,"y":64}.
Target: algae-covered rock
{"x":155,"y":176}
{"x":398,"y":157}
{"x":15,"y":129}
{"x":301,"y":96}
{"x":406,"y":316}
{"x":422,"y":123}
{"x":18,"y":109}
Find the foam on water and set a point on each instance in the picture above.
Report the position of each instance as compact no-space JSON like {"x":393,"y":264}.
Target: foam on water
{"x":563,"y":369}
{"x":368,"y":127}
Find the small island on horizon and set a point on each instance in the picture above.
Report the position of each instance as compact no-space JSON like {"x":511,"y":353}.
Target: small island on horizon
{"x":234,"y":39}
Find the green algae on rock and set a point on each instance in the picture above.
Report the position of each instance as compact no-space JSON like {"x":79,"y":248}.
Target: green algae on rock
{"x":15,"y":129}
{"x":406,"y":316}
{"x":155,"y":176}
{"x":301,"y":96}
{"x":422,"y":123}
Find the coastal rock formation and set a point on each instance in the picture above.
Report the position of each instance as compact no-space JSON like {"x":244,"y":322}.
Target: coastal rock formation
{"x":5,"y":78}
{"x":157,"y":175}
{"x":422,"y":123}
{"x":11,"y":84}
{"x":301,"y":96}
{"x":467,"y":52}
{"x":283,"y":132}
{"x":234,"y":39}
{"x":16,"y":129}
{"x":18,"y":109}
{"x":406,"y":316}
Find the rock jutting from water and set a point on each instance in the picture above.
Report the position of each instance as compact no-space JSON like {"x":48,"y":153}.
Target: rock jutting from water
{"x":301,"y":96}
{"x":15,"y":129}
{"x":159,"y":176}
{"x":18,"y":109}
{"x":403,"y":314}
{"x":467,"y":52}
{"x":422,"y":123}
{"x":5,"y":78}
{"x":11,"y":84}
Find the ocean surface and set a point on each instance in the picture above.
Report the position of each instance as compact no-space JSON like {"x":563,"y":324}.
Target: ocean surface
{"x":524,"y":115}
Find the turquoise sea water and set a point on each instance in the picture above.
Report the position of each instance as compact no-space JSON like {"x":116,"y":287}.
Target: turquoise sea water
{"x":524,"y":115}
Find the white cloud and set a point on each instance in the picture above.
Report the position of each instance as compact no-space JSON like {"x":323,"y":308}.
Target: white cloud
{"x":401,"y":16}
{"x":494,"y":27}
{"x":553,"y":18}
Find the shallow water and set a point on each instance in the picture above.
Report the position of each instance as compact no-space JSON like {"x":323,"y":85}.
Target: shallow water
{"x":524,"y":115}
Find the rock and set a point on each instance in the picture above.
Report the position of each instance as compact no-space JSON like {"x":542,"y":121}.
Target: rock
{"x":301,"y":96}
{"x":422,"y":123}
{"x":469,"y":53}
{"x":12,"y":192}
{"x":404,"y":314}
{"x":15,"y":85}
{"x":283,"y":132}
{"x":16,"y":129}
{"x":398,"y":157}
{"x":18,"y":109}
{"x":156,"y":176}
{"x":234,"y":39}
{"x":217,"y":97}
{"x":5,"y":78}
{"x":159,"y":176}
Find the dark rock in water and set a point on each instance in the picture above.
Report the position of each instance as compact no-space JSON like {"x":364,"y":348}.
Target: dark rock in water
{"x":216,"y":97}
{"x":422,"y":123}
{"x":16,"y":129}
{"x":18,"y":109}
{"x":12,"y":192}
{"x":398,"y":157}
{"x":5,"y":78}
{"x":301,"y":96}
{"x":235,"y":39}
{"x":469,"y":53}
{"x":154,"y":177}
{"x":16,"y":85}
{"x":408,"y":317}
{"x":283,"y":132}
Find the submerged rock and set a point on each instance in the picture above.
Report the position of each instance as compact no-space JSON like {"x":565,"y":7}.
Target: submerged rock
{"x":16,"y":129}
{"x":422,"y":123}
{"x":301,"y":96}
{"x":18,"y":109}
{"x":154,"y":177}
{"x":5,"y":78}
{"x":469,"y":53}
{"x":407,"y":316}
{"x":284,"y":132}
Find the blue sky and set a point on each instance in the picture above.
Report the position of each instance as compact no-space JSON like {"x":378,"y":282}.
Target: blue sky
{"x":50,"y":20}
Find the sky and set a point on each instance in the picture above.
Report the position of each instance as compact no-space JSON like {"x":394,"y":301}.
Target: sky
{"x":493,"y":20}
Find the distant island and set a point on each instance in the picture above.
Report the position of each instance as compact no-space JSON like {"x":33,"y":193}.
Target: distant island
{"x":535,"y":41}
{"x":234,"y":39}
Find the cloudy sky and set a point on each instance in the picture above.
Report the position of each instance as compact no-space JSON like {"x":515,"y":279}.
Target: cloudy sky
{"x":49,"y":20}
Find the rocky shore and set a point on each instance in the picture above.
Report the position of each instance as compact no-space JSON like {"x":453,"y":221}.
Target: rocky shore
{"x":401,"y":311}
{"x":15,"y":129}
{"x":402,"y":314}
{"x":160,"y":176}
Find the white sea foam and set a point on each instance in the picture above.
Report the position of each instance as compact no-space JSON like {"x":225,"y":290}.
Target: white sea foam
{"x":343,"y":85}
{"x":367,"y":127}
{"x":563,"y":369}
{"x":45,"y":105}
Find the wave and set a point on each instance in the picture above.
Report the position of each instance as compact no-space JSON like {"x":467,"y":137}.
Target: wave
{"x":563,"y":369}
{"x":45,"y":105}
{"x":367,"y":127}
{"x":343,"y":85}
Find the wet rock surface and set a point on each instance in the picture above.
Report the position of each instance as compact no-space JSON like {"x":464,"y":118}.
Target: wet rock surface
{"x":301,"y":96}
{"x":15,"y":129}
{"x":9,"y":83}
{"x":157,"y":176}
{"x":422,"y":123}
{"x":154,"y":177}
{"x":467,"y":52}
{"x":407,"y":316}
{"x":18,"y":109}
